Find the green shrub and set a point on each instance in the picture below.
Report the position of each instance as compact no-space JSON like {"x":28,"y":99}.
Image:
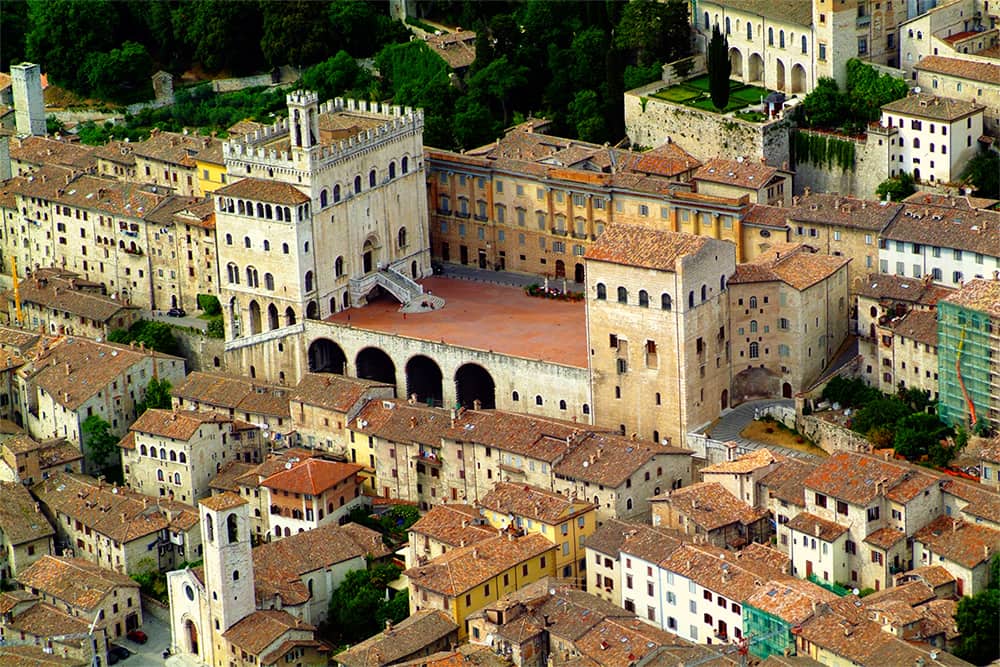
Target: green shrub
{"x":210,"y":304}
{"x":215,"y":328}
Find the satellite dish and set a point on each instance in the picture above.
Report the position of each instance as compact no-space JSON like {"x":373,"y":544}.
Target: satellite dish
{"x":917,"y":90}
{"x":855,"y":591}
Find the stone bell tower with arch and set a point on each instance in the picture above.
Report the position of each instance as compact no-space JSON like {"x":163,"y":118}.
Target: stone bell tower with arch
{"x":303,"y":120}
{"x":229,"y":579}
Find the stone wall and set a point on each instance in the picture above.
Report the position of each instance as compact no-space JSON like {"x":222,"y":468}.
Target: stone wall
{"x":650,"y":121}
{"x":710,"y":451}
{"x":679,"y":70}
{"x":201,"y":351}
{"x":871,"y":167}
{"x":156,"y":609}
{"x":830,"y":437}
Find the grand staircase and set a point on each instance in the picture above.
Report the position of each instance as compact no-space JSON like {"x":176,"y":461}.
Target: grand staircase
{"x":404,"y":289}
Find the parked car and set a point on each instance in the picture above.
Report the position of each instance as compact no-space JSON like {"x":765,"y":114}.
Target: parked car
{"x":176,"y":312}
{"x":138,"y":636}
{"x":117,"y":653}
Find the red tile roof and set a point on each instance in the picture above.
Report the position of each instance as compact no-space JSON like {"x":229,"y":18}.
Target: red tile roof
{"x":963,"y":68}
{"x":632,"y":245}
{"x":533,"y":503}
{"x":814,"y":526}
{"x":257,"y":189}
{"x":175,"y":424}
{"x":962,"y":542}
{"x":77,"y":582}
{"x":256,"y":632}
{"x":742,"y":173}
{"x":795,"y":264}
{"x":710,"y":506}
{"x":312,"y":476}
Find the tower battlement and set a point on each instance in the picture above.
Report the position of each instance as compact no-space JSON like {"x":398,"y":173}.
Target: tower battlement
{"x":302,"y":97}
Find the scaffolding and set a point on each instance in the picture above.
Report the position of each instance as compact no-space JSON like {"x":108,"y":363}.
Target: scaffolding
{"x":968,"y":362}
{"x":773,"y":635}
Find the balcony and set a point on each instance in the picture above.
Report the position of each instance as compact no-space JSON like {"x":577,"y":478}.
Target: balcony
{"x":480,"y":218}
{"x":559,"y":232}
{"x":462,"y":214}
{"x":444,"y":211}
{"x":863,"y":21}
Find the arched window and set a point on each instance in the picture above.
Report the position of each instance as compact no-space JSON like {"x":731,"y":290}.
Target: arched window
{"x":392,"y":170}
{"x":729,"y":27}
{"x":805,"y":44}
{"x":405,"y":165}
{"x":749,"y":30}
{"x":753,"y":302}
{"x":284,"y":248}
{"x":371,"y":178}
{"x":562,"y":405}
{"x":269,"y":281}
{"x":209,"y":528}
{"x":515,"y":397}
{"x":260,"y":210}
{"x":754,"y":350}
{"x":753,"y":326}
{"x":173,"y":455}
{"x":336,"y":193}
{"x":268,"y":211}
{"x":357,"y":184}
{"x":770,"y":36}
{"x":586,"y":409}
{"x":240,"y":208}
{"x":142,"y":450}
{"x":267,"y":245}
{"x":159,"y":475}
{"x":246,"y":242}
{"x":707,"y":26}
{"x":163,"y":453}
{"x":538,"y":400}
{"x":305,"y":246}
{"x":704,"y":293}
{"x":665,"y":302}
{"x":338,"y":267}
{"x":229,"y":239}
{"x":279,"y":213}
{"x":177,"y":478}
{"x":722,"y":283}
{"x":288,"y":214}
{"x":602,"y":291}
{"x":236,"y":575}
{"x":402,"y":237}
{"x":643,"y":299}
{"x":231,"y":528}
{"x":628,"y":504}
{"x":182,"y":457}
{"x":781,"y":39}
{"x":916,"y":142}
{"x":309,"y":281}
{"x":323,"y":198}
{"x":691,"y":299}
{"x":622,"y":295}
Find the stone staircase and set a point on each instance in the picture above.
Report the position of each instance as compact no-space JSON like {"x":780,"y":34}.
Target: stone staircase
{"x":392,"y":281}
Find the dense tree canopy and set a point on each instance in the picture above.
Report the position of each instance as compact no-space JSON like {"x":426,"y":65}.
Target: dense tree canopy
{"x":98,"y":441}
{"x":860,"y":103}
{"x":897,"y":188}
{"x":983,"y":173}
{"x":976,"y":618}
{"x":719,"y":68}
{"x":359,"y":607}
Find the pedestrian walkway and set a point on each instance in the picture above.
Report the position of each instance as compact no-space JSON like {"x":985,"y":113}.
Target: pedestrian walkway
{"x":732,"y":423}
{"x":508,"y":278}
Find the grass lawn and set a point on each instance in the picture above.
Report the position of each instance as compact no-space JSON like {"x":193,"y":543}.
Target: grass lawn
{"x":694,"y":93}
{"x":774,"y":433}
{"x":678,"y":94}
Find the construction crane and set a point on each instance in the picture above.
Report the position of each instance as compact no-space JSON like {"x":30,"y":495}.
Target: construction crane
{"x":958,"y":372}
{"x":89,"y":634}
{"x":17,"y":290}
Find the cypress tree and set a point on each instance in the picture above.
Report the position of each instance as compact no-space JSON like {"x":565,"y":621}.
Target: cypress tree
{"x":719,"y":68}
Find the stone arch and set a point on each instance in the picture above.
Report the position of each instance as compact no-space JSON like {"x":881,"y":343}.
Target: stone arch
{"x":272,"y":317}
{"x":312,"y":310}
{"x":779,"y":74}
{"x":369,"y":254}
{"x":424,"y":379}
{"x":191,"y":636}
{"x":798,"y":78}
{"x":472,"y":383}
{"x":755,"y":68}
{"x":725,"y":399}
{"x":373,"y":363}
{"x":736,"y":62}
{"x":325,"y":356}
{"x":289,"y":316}
{"x":786,"y":390}
{"x":255,"y":319}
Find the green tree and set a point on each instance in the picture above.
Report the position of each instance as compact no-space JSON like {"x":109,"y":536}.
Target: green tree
{"x":62,"y":33}
{"x":882,"y":412}
{"x":111,"y":75}
{"x":917,"y":434}
{"x":849,"y":392}
{"x":154,"y":335}
{"x":223,"y":34}
{"x":358,"y":604}
{"x":157,"y":396}
{"x":399,"y":519}
{"x":897,"y":188}
{"x":361,"y":29}
{"x":983,"y":173}
{"x":498,"y":81}
{"x":976,"y":617}
{"x":825,"y":105}
{"x":656,"y":31}
{"x":867,"y":90}
{"x":587,"y":117}
{"x":338,"y":76}
{"x":98,"y":441}
{"x":293,"y":34}
{"x":13,"y":29}
{"x":719,"y":68}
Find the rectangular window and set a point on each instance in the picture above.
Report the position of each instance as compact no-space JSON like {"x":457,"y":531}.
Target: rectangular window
{"x":820,"y":500}
{"x":841,"y":507}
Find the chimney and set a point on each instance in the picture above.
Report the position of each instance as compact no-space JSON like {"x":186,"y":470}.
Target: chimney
{"x":477,"y":404}
{"x":475,"y":553}
{"x":388,"y":627}
{"x":69,"y":369}
{"x":807,"y":191}
{"x":123,"y":517}
{"x":413,"y":422}
{"x":465,"y":523}
{"x":818,"y":530}
{"x":413,"y":399}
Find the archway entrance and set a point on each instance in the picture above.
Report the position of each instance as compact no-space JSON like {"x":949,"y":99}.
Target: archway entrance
{"x":325,"y":356}
{"x":725,"y":399}
{"x":472,"y":383}
{"x":756,"y":69}
{"x":272,"y":317}
{"x":798,"y":79}
{"x":312,"y":311}
{"x":192,"y":633}
{"x":779,"y":75}
{"x":786,"y":390}
{"x":374,"y":364}
{"x":736,"y":63}
{"x":255,"y":317}
{"x":560,"y":269}
{"x":423,"y":378}
{"x":578,"y":274}
{"x":368,"y":256}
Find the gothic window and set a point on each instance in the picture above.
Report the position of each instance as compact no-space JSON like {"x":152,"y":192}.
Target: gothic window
{"x":246,"y":242}
{"x":229,"y":239}
{"x":357,"y":184}
{"x":665,"y":302}
{"x":269,"y":281}
{"x":602,"y":291}
{"x":231,"y":528}
{"x":371,"y":178}
{"x":643,"y":299}
{"x":405,"y":165}
{"x":402,"y":237}
{"x":704,"y":292}
{"x":309,"y":281}
{"x":336,"y":193}
{"x":338,"y":267}
{"x":323,"y":198}
{"x":754,"y":350}
{"x":622,"y":295}
{"x":392,"y":170}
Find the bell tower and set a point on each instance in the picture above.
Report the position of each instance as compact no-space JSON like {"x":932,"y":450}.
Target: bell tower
{"x":303,"y":119}
{"x":225,"y":535}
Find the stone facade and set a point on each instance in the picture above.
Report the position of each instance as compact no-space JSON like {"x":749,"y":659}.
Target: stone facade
{"x":871,"y":166}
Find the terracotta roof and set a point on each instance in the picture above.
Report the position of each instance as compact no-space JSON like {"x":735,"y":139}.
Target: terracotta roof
{"x":983,"y":502}
{"x":609,"y":537}
{"x":61,"y":294}
{"x":918,"y":325}
{"x":644,"y":247}
{"x":459,"y":570}
{"x":177,"y":210}
{"x":885,"y":538}
{"x":456,"y":49}
{"x":860,"y":478}
{"x":76,"y":582}
{"x":285,"y":647}
{"x":710,"y":506}
{"x":795,"y":264}
{"x":990,"y":451}
{"x":118,"y":513}
{"x":979,"y":295}
{"x":937,"y":617}
{"x":962,"y":542}
{"x":724,"y":572}
{"x":11,"y":599}
{"x":925,"y":105}
{"x":407,"y":637}
{"x":175,"y":424}
{"x":912,"y":594}
{"x":258,"y":189}
{"x":332,"y":392}
{"x":835,"y":210}
{"x":42,"y":619}
{"x":610,"y":460}
{"x":36,"y":656}
{"x":454,"y":525}
{"x":398,"y":421}
{"x":280,"y":567}
{"x":765,"y":555}
{"x":951,"y":201}
{"x":20,"y":518}
{"x":313,"y":476}
{"x":761,"y":215}
{"x":963,"y":68}
{"x":742,"y":173}
{"x":42,"y":150}
{"x":119,"y":152}
{"x":747,"y":463}
{"x":173,"y":147}
{"x":667,"y":160}
{"x":973,"y":230}
{"x":533,"y":503}
{"x":814,"y":526}
{"x":222,"y":501}
{"x":616,"y":642}
{"x":108,"y":196}
{"x":783,"y":11}
{"x":786,"y":482}
{"x":886,"y":287}
{"x":275,"y":462}
{"x":651,"y":544}
{"x":230,"y":391}
{"x":226,"y":478}
{"x":933,"y":575}
{"x":790,"y":599}
{"x":50,"y":453}
{"x":260,"y":629}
